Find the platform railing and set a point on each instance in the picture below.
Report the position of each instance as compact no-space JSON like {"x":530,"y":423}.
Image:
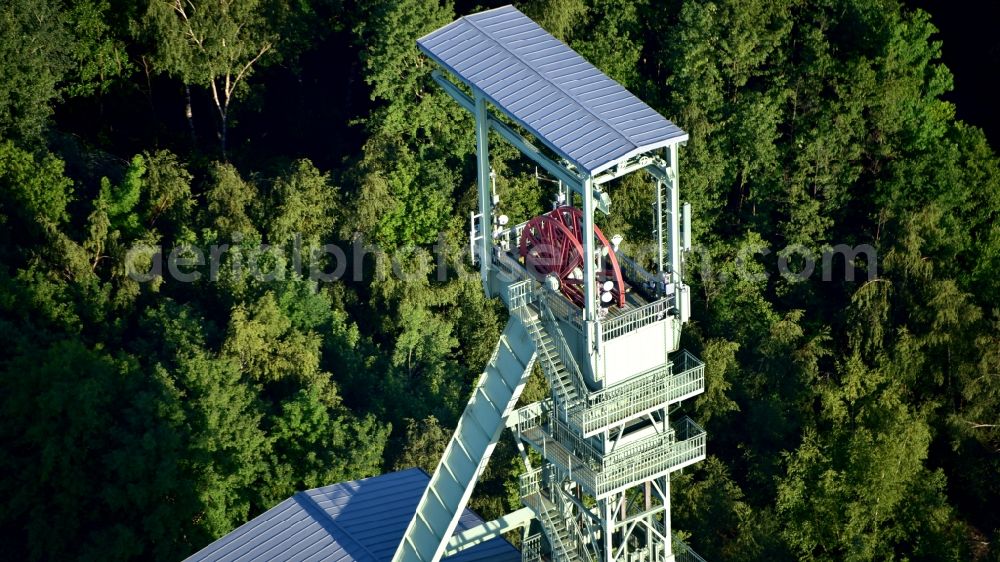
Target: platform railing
{"x":637,"y":449}
{"x":686,"y":363}
{"x":530,"y":416}
{"x":577,"y":445}
{"x":531,"y":549}
{"x":634,"y":319}
{"x":636,"y":273}
{"x":562,"y":309}
{"x":683,"y":377}
{"x":521,"y":294}
{"x":687,"y":445}
{"x":687,"y":429}
{"x":654,"y":450}
{"x":508,"y":266}
{"x":644,"y":459}
{"x":530,"y":482}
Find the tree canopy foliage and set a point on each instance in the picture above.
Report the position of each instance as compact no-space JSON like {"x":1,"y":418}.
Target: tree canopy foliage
{"x":850,"y":418}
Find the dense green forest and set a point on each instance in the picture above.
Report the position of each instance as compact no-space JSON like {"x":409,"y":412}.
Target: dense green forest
{"x":848,"y":419}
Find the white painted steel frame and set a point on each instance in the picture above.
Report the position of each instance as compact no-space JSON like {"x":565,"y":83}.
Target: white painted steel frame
{"x":598,"y":148}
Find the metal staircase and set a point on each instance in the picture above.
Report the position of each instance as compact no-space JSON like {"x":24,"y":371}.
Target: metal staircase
{"x":558,"y":375}
{"x":562,"y":541}
{"x":556,"y":530}
{"x":470,"y":447}
{"x":527,"y":302}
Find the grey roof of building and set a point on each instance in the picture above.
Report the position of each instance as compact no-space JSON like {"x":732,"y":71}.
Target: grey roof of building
{"x":361,"y":521}
{"x":546,"y":87}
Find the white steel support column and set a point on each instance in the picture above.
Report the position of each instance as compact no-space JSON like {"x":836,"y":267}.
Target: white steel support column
{"x":675,"y":223}
{"x":485,"y":191}
{"x":589,"y":269}
{"x":668,"y":546}
{"x":607,"y":528}
{"x":660,"y":187}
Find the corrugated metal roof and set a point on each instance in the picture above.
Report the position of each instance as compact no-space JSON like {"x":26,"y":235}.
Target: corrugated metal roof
{"x":361,"y":521}
{"x":566,"y":102}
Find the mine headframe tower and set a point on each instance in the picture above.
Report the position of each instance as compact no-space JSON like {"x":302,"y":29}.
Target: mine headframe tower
{"x":604,"y":328}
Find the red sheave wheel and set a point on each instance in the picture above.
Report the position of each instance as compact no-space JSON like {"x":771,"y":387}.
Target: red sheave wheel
{"x":552,"y":244}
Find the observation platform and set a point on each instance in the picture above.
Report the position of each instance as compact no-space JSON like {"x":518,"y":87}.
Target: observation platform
{"x":602,"y":474}
{"x":648,"y":317}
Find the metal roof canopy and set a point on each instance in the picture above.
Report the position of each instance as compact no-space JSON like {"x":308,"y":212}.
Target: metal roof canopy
{"x":358,"y":521}
{"x":577,"y":111}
